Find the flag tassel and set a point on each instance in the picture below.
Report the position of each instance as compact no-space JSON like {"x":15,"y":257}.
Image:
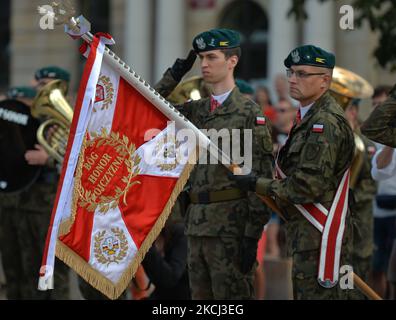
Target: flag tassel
{"x":93,"y":277}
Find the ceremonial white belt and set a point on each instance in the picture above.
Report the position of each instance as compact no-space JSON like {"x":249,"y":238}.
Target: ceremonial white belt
{"x":331,"y":223}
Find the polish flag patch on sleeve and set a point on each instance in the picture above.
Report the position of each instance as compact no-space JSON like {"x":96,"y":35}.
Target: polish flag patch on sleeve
{"x":260,"y":121}
{"x":317,"y":128}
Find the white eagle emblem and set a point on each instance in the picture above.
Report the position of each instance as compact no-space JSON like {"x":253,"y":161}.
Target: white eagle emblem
{"x":168,"y":153}
{"x":200,"y":43}
{"x":295,"y":56}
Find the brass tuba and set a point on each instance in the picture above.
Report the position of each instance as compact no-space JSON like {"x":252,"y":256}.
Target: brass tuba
{"x":345,"y":87}
{"x":193,"y":88}
{"x":50,"y":102}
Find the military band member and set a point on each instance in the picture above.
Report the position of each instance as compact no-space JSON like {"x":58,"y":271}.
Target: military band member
{"x":311,"y":167}
{"x":47,"y":74}
{"x":364,"y":191}
{"x":223,"y":223}
{"x":11,"y":220}
{"x":245,"y":88}
{"x":26,"y":214}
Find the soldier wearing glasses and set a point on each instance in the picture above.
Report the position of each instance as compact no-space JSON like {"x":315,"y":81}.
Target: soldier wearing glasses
{"x":310,"y":168}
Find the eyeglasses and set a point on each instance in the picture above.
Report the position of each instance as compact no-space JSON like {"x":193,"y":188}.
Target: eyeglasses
{"x":301,"y":74}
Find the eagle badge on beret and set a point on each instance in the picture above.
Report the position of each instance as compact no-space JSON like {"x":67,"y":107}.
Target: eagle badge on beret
{"x":201,"y":43}
{"x":295,"y":56}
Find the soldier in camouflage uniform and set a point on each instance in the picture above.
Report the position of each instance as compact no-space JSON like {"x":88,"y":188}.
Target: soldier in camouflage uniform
{"x":315,"y":157}
{"x":381,"y":124}
{"x":223,"y":223}
{"x":364,"y":190}
{"x":26,"y":216}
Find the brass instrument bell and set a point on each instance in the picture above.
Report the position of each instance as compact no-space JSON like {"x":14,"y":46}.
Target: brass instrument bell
{"x":51,"y":103}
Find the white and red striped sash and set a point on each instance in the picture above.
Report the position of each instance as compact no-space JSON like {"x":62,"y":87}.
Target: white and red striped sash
{"x":331,"y":223}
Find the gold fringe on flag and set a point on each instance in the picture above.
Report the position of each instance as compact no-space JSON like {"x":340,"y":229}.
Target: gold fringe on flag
{"x":94,"y":277}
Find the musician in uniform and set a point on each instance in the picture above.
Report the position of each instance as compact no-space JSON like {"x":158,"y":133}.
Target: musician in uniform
{"x":26,"y":214}
{"x":312,"y":186}
{"x":364,"y":190}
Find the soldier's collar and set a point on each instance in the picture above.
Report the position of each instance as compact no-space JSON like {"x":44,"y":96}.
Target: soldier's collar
{"x":304,"y":110}
{"x":222,"y":97}
{"x":314,"y":107}
{"x":227,"y":106}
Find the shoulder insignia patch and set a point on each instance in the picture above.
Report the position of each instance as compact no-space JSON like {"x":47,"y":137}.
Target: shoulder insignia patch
{"x":260,"y":121}
{"x":317,"y":128}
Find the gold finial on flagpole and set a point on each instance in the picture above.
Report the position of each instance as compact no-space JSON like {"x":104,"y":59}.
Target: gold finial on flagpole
{"x":64,"y":11}
{"x":60,"y":11}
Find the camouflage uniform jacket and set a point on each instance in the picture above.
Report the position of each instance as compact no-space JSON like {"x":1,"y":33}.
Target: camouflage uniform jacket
{"x":381,"y":124}
{"x":314,"y":163}
{"x":234,"y":218}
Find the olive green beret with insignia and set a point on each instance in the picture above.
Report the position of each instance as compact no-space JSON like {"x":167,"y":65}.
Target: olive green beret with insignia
{"x":311,"y":56}
{"x":21,"y":92}
{"x":52,"y":72}
{"x":244,"y":87}
{"x":216,"y":39}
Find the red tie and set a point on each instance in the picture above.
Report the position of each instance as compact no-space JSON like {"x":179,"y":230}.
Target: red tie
{"x":298,"y":117}
{"x":213,"y":104}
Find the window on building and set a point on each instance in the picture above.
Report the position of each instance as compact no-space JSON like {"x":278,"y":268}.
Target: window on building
{"x":98,"y":12}
{"x":250,"y":19}
{"x":5,"y":14}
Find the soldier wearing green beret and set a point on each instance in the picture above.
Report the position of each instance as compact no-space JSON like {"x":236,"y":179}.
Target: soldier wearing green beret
{"x":223,"y":223}
{"x":381,"y":124}
{"x":47,"y":74}
{"x":245,"y":88}
{"x":24,"y":93}
{"x":9,"y":201}
{"x":312,"y":171}
{"x":26,"y":214}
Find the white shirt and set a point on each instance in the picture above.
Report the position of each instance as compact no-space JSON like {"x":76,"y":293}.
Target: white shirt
{"x":304,"y":110}
{"x":221,"y":98}
{"x":384,"y":173}
{"x":386,"y":178}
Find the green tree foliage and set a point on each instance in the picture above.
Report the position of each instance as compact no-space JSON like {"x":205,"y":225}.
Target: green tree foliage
{"x":381,"y":16}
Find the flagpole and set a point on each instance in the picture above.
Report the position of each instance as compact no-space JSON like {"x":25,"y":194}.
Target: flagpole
{"x":153,"y":96}
{"x":172,"y":113}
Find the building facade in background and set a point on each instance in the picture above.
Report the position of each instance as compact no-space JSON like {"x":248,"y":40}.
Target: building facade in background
{"x":151,"y":34}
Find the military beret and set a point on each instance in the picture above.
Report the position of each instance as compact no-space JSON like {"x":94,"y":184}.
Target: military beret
{"x":21,"y":92}
{"x":244,"y":86}
{"x":52,"y":72}
{"x":216,"y":39}
{"x":311,"y":56}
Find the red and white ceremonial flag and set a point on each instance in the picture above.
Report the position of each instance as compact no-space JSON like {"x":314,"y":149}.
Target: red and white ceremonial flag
{"x":123,"y":170}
